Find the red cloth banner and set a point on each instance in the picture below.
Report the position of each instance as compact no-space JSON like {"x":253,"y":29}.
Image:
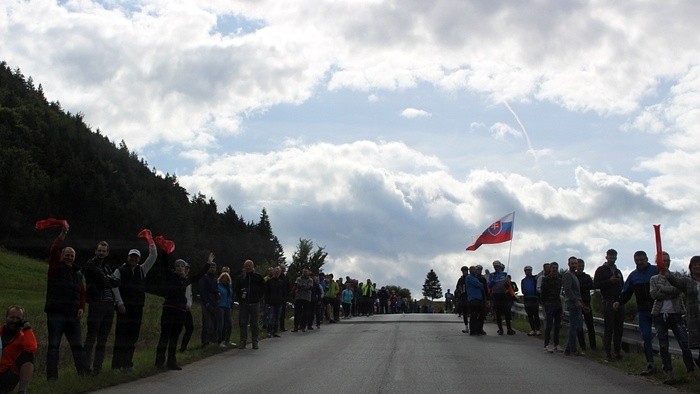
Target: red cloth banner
{"x":167,"y":245}
{"x":50,"y":223}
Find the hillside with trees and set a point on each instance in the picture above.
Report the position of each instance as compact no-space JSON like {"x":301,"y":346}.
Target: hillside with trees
{"x":53,"y":165}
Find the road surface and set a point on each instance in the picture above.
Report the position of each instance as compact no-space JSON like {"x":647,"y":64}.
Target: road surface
{"x":413,"y":353}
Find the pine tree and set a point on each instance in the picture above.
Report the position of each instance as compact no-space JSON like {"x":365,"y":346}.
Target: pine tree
{"x":431,"y":287}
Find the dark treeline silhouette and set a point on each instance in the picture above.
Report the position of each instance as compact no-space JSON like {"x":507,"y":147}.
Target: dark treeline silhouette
{"x":53,"y":165}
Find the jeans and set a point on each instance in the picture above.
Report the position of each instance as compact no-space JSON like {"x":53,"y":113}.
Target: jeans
{"x":553,"y":321}
{"x":273,"y":318}
{"x":301,"y":313}
{"x":210,"y":323}
{"x":644,"y":318}
{"x":533,"y":314}
{"x":476,"y":317}
{"x":99,"y":324}
{"x":575,"y":324}
{"x":224,"y":325}
{"x":614,"y":322}
{"x":249,"y":315}
{"x":58,"y":325}
{"x":675,"y":322}
{"x":590,"y":327}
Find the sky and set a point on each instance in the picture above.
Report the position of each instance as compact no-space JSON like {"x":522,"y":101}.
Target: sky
{"x":392,"y":133}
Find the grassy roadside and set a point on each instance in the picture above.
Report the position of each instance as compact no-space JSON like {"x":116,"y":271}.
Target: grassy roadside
{"x":23,"y":281}
{"x":633,"y":363}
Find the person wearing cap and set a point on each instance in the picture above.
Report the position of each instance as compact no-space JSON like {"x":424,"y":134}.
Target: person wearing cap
{"x":129,"y":298}
{"x":174,"y":310}
{"x":531,"y":300}
{"x":100,"y":281}
{"x":498,"y":287}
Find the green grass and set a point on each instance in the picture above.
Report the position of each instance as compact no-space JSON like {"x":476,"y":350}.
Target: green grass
{"x":633,"y":362}
{"x":23,"y":282}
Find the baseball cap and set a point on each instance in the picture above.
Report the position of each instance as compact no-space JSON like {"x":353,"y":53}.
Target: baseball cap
{"x":135,"y":251}
{"x":528,"y":268}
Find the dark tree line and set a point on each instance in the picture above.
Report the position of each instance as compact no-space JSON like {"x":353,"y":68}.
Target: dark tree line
{"x":53,"y":165}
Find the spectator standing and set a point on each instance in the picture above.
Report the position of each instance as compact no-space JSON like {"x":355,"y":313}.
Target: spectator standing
{"x":174,"y":310}
{"x":498,"y":283}
{"x":574,"y":305}
{"x":531,"y":300}
{"x":550,"y":296}
{"x":476,"y":294}
{"x":690,"y":285}
{"x":65,"y":303}
{"x":302,"y":300}
{"x":637,"y":283}
{"x":130,"y":297}
{"x":209,"y":298}
{"x":189,"y":321}
{"x":223,"y":319}
{"x":250,"y":288}
{"x":461,"y":289}
{"x":667,"y":313}
{"x":286,"y":289}
{"x":609,"y":280}
{"x":100,"y":281}
{"x":17,"y":346}
{"x":586,"y":283}
{"x":274,"y":298}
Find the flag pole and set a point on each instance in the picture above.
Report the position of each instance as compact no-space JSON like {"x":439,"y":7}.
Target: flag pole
{"x":510,"y":248}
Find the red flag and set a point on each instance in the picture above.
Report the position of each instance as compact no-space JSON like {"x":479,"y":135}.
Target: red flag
{"x":499,"y":231}
{"x":167,"y":245}
{"x":659,"y":251}
{"x":146,"y":233}
{"x":50,"y":223}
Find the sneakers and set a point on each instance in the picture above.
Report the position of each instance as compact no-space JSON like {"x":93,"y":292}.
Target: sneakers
{"x":275,"y":336}
{"x":531,"y":333}
{"x":649,"y":371}
{"x":511,"y":332}
{"x":550,"y":348}
{"x":223,"y":345}
{"x":241,"y":345}
{"x":538,"y":333}
{"x":466,"y":331}
{"x":255,"y":346}
{"x":557,"y":349}
{"x":500,"y":332}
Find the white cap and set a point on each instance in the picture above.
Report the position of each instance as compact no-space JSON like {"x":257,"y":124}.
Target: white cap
{"x":135,"y":251}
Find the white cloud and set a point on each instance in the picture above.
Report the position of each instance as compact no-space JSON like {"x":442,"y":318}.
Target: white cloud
{"x":412,"y":113}
{"x":167,"y":78}
{"x":501,"y":130}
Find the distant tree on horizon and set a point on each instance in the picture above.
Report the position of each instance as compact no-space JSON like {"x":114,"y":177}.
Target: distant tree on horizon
{"x":432,"y":288}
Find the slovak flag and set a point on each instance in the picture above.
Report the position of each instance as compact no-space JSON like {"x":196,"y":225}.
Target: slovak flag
{"x":500,"y":231}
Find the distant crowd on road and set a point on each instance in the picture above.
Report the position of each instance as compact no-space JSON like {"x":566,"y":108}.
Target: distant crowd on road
{"x":665,"y":301}
{"x":104,"y":294}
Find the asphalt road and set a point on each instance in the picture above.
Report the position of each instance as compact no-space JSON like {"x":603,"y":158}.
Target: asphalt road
{"x":415,"y":353}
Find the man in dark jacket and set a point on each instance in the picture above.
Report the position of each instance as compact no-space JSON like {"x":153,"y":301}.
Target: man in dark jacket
{"x":274,"y":298}
{"x":209,"y":298}
{"x":250,"y":287}
{"x":65,"y":303}
{"x":609,"y":280}
{"x":586,"y":283}
{"x":637,"y":283}
{"x":100,"y":297}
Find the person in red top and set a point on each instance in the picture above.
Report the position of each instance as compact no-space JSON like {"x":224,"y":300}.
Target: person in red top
{"x":18,"y":348}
